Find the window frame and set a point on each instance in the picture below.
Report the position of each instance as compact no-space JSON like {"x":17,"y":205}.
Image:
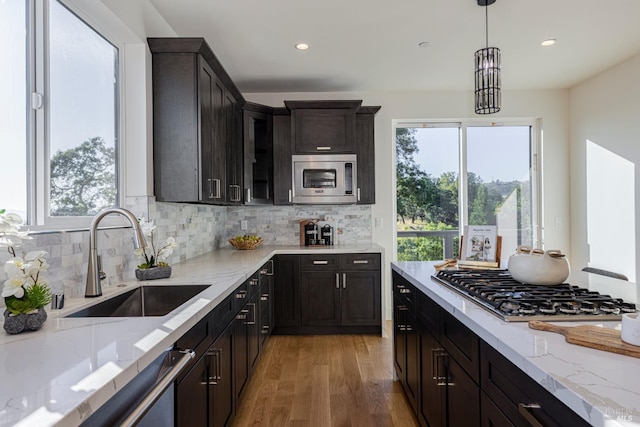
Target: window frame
{"x":38,"y":138}
{"x":534,"y":159}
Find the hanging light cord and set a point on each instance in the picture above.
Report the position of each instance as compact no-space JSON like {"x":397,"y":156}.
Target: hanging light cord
{"x":486,"y":22}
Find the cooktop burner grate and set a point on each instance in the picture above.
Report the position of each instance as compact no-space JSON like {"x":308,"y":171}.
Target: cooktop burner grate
{"x":511,"y":300}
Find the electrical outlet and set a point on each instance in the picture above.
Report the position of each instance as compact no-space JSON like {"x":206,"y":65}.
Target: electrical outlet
{"x":244,"y":225}
{"x":378,"y":222}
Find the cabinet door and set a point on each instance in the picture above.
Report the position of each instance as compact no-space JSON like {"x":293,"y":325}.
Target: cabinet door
{"x":282,"y":160}
{"x":258,"y":157}
{"x":287,"y":291}
{"x":365,"y":149}
{"x":253,"y":332}
{"x":323,"y":130}
{"x":212,"y":141}
{"x":191,"y":395}
{"x":240,"y":351}
{"x":461,"y":392}
{"x":399,"y":338}
{"x":320,"y":294}
{"x":221,"y":403}
{"x":234,"y":152}
{"x":360,"y":298}
{"x":431,"y":396}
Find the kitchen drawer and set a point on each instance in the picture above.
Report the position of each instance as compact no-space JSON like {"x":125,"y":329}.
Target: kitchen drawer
{"x":320,"y":262}
{"x":428,"y":313}
{"x":253,"y":283}
{"x":405,"y":292}
{"x":352,"y":262}
{"x":509,"y":389}
{"x":198,"y":339}
{"x":240,"y":297}
{"x":462,"y":344}
{"x":222,"y":314}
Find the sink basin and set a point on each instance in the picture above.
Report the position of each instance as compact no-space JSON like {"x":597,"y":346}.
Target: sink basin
{"x":143,"y":301}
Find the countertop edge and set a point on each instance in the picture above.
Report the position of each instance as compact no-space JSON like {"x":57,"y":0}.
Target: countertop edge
{"x":488,"y":327}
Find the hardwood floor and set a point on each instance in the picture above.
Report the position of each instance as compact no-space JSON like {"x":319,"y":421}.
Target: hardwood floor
{"x":325,"y":380}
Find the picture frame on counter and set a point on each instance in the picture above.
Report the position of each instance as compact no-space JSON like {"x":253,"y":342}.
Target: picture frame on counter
{"x":480,"y":247}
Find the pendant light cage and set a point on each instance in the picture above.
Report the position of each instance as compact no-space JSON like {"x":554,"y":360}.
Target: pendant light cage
{"x":488,"y":83}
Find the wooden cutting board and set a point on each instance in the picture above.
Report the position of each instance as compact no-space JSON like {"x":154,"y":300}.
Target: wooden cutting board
{"x":605,"y":339}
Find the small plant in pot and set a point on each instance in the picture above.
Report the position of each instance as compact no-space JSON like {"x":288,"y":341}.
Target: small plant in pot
{"x":153,"y":267}
{"x":25,"y":292}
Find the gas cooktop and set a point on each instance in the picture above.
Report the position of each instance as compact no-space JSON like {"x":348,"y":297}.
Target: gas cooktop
{"x":513,"y":301}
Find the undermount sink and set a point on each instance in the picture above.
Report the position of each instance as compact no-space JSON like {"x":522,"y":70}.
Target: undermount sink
{"x":147,"y":300}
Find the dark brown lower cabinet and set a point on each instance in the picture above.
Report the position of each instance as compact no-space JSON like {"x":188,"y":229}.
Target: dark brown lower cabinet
{"x":192,"y":395}
{"x":405,"y":340}
{"x":221,"y":403}
{"x":520,"y":400}
{"x":286,"y":292}
{"x":227,"y":344}
{"x":462,"y":380}
{"x":205,"y":395}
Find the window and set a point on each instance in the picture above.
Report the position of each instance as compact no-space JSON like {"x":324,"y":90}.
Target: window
{"x":449,"y":175}
{"x":60,"y":129}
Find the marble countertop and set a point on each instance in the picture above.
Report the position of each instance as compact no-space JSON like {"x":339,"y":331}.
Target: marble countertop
{"x":60,"y":374}
{"x":602,"y":387}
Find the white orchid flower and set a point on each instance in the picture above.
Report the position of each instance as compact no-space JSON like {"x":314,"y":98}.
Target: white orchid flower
{"x":14,"y":267}
{"x":147,"y":227}
{"x":13,"y":287}
{"x":167,"y":249}
{"x":35,"y":255}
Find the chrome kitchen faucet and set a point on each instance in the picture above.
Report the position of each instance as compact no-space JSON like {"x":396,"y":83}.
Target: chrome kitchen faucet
{"x":94,"y":288}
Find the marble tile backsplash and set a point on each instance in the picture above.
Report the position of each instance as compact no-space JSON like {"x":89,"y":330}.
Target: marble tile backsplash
{"x":280,"y":225}
{"x":198,"y":229}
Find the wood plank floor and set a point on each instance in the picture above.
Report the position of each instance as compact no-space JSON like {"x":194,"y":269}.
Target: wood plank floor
{"x":325,"y":380}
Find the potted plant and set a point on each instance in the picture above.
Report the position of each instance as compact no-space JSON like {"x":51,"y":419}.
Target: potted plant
{"x":152,"y":267}
{"x":25,"y":292}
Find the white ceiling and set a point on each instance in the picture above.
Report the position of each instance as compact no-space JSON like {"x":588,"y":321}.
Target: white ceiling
{"x":372,"y":45}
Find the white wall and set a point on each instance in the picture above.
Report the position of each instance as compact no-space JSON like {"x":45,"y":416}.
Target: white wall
{"x":550,"y":106}
{"x":605,"y":151}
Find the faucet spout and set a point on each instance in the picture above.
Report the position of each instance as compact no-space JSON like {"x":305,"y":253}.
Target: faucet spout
{"x":94,"y":287}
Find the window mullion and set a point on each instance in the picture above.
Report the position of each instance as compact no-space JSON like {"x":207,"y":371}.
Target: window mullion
{"x":38,"y":141}
{"x":463,"y":195}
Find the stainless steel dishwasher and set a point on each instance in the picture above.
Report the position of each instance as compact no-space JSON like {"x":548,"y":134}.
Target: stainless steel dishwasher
{"x":148,"y":399}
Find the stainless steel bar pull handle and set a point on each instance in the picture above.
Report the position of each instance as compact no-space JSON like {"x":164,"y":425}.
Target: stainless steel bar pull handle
{"x":344,"y":280}
{"x":358,"y":192}
{"x":323,"y":148}
{"x":337,"y":280}
{"x":253,"y":316}
{"x":290,"y":196}
{"x":217,"y":194}
{"x":320,"y":262}
{"x":157,"y":391}
{"x":361,"y":261}
{"x":526,"y":409}
{"x":247,"y":195}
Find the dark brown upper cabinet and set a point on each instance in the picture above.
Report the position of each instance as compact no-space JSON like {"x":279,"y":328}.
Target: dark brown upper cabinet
{"x":323,"y":126}
{"x":196,"y":124}
{"x":258,"y":154}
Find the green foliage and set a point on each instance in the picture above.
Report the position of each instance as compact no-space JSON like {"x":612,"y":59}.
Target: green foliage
{"x":83,"y":179}
{"x":425,"y":202}
{"x":36,"y":296}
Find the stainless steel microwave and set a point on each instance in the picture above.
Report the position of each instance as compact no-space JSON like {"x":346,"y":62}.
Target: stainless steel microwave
{"x":324,"y":178}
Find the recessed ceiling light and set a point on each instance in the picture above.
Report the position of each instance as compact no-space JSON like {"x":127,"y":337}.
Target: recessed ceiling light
{"x":423,"y":44}
{"x":302,"y":46}
{"x":548,"y":42}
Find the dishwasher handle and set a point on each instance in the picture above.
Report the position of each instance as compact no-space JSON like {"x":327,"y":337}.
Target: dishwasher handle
{"x":156,"y":392}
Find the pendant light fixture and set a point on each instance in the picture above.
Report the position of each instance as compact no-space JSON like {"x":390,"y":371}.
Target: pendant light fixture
{"x":488,"y":95}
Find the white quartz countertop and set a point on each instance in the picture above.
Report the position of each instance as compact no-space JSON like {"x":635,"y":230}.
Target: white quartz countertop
{"x":602,"y":387}
{"x":60,"y":374}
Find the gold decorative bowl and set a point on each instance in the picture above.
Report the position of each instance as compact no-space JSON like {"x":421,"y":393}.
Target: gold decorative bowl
{"x":237,"y":243}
